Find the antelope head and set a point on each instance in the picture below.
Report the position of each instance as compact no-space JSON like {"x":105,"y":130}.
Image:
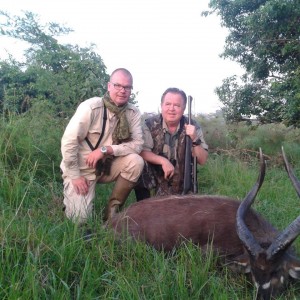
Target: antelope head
{"x":270,"y":264}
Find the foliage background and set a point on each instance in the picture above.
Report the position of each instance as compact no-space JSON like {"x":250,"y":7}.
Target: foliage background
{"x":264,"y":39}
{"x":44,"y":256}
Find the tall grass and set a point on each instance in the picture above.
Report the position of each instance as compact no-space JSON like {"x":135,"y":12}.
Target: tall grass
{"x":269,"y":137}
{"x":44,"y":256}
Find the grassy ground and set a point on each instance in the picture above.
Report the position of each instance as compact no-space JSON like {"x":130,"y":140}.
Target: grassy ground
{"x":44,"y":256}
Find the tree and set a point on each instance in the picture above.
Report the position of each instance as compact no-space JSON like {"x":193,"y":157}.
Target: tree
{"x":264,"y":39}
{"x":64,"y":75}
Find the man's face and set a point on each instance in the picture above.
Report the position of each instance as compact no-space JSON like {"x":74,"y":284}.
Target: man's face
{"x":172,"y":108}
{"x":119,"y":88}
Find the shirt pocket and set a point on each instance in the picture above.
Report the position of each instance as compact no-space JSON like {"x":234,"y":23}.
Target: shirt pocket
{"x":94,"y":134}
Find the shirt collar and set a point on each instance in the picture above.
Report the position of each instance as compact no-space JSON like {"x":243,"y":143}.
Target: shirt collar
{"x":165,"y":127}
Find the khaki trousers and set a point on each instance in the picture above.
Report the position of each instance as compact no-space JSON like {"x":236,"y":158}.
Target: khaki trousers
{"x":79,"y":207}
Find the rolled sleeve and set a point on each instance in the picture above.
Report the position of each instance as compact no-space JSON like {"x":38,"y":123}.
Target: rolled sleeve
{"x":201,"y":137}
{"x":148,"y":140}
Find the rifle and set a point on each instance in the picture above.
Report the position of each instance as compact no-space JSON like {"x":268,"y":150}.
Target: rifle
{"x":190,"y":164}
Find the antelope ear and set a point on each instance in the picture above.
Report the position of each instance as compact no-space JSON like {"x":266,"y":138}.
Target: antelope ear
{"x":240,"y":264}
{"x":293,"y":266}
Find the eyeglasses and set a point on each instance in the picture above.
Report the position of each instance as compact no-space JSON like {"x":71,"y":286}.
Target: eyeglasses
{"x":119,"y":87}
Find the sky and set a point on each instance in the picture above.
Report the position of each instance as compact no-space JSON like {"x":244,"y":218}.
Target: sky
{"x":163,"y":43}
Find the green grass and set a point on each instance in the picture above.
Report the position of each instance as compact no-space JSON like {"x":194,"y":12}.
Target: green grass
{"x":44,"y":256}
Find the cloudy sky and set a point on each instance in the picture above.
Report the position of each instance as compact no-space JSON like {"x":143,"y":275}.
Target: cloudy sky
{"x":164,"y":43}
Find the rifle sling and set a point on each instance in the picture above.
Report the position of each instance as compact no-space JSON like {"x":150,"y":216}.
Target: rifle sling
{"x":102,"y":133}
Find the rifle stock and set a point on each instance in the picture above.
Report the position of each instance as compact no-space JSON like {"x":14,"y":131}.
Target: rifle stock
{"x":190,"y":164}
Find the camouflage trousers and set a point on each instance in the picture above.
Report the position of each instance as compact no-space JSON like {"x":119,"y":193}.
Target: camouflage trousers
{"x":152,"y":177}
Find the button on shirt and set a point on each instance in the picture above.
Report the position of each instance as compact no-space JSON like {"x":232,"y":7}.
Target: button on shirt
{"x":87,"y":122}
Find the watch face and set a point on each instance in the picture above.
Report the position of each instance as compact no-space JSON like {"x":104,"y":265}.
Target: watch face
{"x":103,"y":149}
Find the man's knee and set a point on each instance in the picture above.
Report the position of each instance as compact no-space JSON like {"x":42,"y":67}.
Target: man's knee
{"x":135,"y":165}
{"x":77,"y":207}
{"x":139,"y":162}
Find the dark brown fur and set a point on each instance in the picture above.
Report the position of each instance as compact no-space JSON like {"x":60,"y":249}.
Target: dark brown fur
{"x":164,"y":222}
{"x":247,"y":241}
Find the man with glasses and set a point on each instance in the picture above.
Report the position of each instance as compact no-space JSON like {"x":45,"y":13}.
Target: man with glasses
{"x":101,"y":144}
{"x":164,"y":148}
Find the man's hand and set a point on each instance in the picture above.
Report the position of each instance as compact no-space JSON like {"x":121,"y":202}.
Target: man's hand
{"x":93,"y":157}
{"x":191,"y":131}
{"x":80,"y":185}
{"x":168,"y":169}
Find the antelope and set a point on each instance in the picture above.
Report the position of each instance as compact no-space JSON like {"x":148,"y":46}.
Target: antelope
{"x":247,"y":241}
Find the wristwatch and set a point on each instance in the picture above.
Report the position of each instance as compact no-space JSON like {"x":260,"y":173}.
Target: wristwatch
{"x":103,"y":150}
{"x":197,"y":142}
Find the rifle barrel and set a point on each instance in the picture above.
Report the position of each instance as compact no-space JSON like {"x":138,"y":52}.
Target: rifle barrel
{"x":188,"y":170}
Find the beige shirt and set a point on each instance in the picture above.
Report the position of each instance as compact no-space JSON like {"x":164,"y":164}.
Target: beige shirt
{"x":87,"y":122}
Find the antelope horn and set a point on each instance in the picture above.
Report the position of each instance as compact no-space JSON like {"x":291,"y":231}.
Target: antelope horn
{"x":243,"y":232}
{"x":287,"y":237}
{"x":292,"y":176}
{"x":284,"y":240}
